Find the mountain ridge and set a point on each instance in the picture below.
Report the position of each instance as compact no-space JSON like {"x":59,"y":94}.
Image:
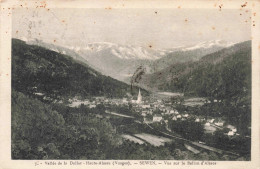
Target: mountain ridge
{"x":36,"y":69}
{"x":166,"y":76}
{"x":121,"y":61}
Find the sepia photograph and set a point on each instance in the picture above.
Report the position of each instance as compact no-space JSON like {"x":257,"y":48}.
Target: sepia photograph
{"x":149,"y":84}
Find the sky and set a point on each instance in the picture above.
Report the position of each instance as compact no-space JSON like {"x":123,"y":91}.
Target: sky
{"x":160,"y":28}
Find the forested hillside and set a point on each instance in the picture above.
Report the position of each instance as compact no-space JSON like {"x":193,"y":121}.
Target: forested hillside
{"x":223,"y":77}
{"x":180,"y":56}
{"x":41,"y":131}
{"x":200,"y":77}
{"x":36,"y":69}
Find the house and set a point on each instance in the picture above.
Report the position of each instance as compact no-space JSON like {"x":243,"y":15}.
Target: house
{"x":179,"y":116}
{"x":197,"y":120}
{"x":144,"y":113}
{"x":174,"y":118}
{"x":220,"y":124}
{"x":157,"y":118}
{"x":147,"y":120}
{"x":92,"y":106}
{"x":207,"y":124}
{"x":172,"y":111}
{"x":185,"y":115}
{"x":230,"y":133}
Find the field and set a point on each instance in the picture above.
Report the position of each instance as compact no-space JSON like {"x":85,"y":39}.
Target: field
{"x":152,"y":139}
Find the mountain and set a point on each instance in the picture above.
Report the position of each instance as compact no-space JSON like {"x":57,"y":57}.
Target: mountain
{"x":121,"y":61}
{"x":181,"y":76}
{"x":190,"y":53}
{"x":209,"y":44}
{"x":39,"y":70}
{"x":122,"y":51}
{"x":118,"y":61}
{"x":56,"y":48}
{"x":110,"y":59}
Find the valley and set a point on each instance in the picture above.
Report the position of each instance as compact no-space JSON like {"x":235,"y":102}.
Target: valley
{"x":188,"y":105}
{"x":121,"y":61}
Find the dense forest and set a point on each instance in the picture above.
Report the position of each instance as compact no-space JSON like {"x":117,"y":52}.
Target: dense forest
{"x":36,"y":69}
{"x":220,"y":75}
{"x":41,"y":132}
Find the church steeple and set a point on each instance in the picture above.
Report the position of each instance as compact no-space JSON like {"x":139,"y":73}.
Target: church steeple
{"x":139,"y":98}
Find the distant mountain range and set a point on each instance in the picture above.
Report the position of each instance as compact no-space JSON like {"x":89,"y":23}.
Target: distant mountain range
{"x":121,"y":61}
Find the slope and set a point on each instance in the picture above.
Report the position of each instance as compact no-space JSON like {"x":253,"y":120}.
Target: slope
{"x":181,"y":77}
{"x":38,"y":70}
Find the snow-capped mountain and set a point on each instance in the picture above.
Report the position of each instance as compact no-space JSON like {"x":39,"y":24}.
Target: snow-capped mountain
{"x":121,"y":61}
{"x":120,"y":51}
{"x":209,"y":44}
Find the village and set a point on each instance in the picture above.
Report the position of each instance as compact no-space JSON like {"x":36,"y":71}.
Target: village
{"x":155,"y":110}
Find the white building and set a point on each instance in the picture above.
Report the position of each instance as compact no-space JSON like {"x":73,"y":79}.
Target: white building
{"x":219,"y":124}
{"x":207,"y":124}
{"x":144,"y":113}
{"x":157,"y":118}
{"x":174,"y":118}
{"x":92,"y":106}
{"x":230,"y":133}
{"x":185,"y":115}
{"x":197,"y":120}
{"x":139,"y":98}
{"x":179,"y":116}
